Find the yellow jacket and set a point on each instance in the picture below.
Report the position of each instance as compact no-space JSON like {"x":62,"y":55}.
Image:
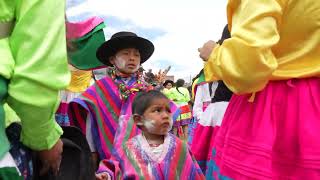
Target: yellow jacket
{"x":270,"y":40}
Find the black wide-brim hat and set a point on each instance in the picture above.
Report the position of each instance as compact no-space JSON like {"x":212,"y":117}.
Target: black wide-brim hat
{"x":122,"y":40}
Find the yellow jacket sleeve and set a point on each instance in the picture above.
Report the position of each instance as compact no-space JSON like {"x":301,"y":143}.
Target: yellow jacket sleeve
{"x":245,"y":62}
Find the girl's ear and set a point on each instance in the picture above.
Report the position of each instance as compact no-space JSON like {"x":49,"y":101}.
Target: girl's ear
{"x":137,"y":119}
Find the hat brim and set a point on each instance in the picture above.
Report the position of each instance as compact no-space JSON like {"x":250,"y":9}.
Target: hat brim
{"x":110,"y":48}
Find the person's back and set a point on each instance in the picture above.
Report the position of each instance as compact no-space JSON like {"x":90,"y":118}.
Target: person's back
{"x":180,"y":95}
{"x":272,"y":64}
{"x":298,"y":47}
{"x":278,"y":39}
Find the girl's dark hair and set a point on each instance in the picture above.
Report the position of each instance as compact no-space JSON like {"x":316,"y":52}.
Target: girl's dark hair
{"x":167,"y":82}
{"x":143,"y":100}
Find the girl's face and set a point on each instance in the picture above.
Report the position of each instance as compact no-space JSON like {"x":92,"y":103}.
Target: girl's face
{"x":169,"y":86}
{"x":157,"y":118}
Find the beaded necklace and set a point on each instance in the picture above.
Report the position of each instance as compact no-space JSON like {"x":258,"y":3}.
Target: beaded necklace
{"x":124,"y":89}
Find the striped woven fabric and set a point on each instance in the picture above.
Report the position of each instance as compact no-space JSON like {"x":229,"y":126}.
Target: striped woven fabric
{"x":184,"y":117}
{"x":102,"y":104}
{"x":132,"y":160}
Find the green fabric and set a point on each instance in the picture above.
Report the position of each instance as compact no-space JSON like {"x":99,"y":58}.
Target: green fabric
{"x":201,"y":78}
{"x":185,"y":116}
{"x":181,"y":97}
{"x":7,"y":9}
{"x":7,"y":61}
{"x":11,"y":116}
{"x":36,"y":53}
{"x":4,"y":147}
{"x":84,"y":56}
{"x":168,"y":93}
{"x":9,"y":173}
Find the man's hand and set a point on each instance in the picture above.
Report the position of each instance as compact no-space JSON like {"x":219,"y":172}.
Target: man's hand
{"x":206,"y":50}
{"x":51,"y":158}
{"x":161,"y":76}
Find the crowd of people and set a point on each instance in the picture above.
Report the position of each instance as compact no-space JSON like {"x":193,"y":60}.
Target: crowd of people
{"x":252,"y":112}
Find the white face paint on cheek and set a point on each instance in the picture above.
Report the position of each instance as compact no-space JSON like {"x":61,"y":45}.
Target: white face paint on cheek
{"x":149,"y":125}
{"x":120,"y":63}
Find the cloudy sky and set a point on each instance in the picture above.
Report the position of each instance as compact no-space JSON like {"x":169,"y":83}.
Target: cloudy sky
{"x":176,"y":27}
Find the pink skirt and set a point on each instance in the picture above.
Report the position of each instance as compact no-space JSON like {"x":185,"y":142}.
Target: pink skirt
{"x":275,"y":137}
{"x":205,"y":132}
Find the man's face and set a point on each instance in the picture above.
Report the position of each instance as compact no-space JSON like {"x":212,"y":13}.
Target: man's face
{"x":127,"y":60}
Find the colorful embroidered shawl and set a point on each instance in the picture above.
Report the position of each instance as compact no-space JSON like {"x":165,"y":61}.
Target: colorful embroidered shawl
{"x":102,"y":102}
{"x":130,"y":160}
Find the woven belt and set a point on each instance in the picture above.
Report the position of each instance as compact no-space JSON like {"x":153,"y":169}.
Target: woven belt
{"x":6,"y":29}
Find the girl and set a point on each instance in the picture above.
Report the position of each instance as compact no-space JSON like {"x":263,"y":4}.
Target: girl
{"x":154,"y":153}
{"x":167,"y":88}
{"x":180,"y":95}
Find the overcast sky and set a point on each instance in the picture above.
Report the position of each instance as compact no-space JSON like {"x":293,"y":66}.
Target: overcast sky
{"x":176,"y":27}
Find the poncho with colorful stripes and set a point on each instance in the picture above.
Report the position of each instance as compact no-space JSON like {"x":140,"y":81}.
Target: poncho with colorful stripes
{"x":103,"y":104}
{"x":131,"y":158}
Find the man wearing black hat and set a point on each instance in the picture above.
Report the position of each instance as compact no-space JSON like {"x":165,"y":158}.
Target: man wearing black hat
{"x":97,"y":110}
